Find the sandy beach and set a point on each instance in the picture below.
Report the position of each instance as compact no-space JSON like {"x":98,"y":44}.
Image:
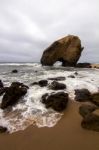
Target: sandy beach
{"x":67,"y":134}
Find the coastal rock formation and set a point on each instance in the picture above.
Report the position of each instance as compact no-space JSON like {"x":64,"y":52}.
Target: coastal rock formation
{"x":57,"y":86}
{"x":91,"y":122}
{"x":85,"y":110}
{"x":90,"y":117}
{"x":95,"y":98}
{"x":57,"y":101}
{"x":41,"y":83}
{"x":66,"y":50}
{"x":3,"y":90}
{"x":82,"y":95}
{"x":13,"y":94}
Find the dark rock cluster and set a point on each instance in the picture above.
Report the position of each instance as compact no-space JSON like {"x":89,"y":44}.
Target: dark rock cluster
{"x":57,"y":101}
{"x":12,"y":94}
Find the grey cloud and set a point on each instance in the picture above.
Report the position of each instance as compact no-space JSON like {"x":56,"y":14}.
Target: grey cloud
{"x":28,"y":27}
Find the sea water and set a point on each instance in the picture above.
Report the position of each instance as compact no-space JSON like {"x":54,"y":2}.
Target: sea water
{"x":30,"y":110}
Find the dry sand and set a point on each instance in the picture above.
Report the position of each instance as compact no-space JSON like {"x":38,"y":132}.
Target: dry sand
{"x":66,"y":135}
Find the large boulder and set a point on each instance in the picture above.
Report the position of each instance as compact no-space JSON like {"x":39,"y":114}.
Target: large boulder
{"x":57,"y":101}
{"x":13,"y":94}
{"x":66,"y":50}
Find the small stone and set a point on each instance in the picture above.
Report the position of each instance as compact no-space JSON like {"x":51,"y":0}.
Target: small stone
{"x":14,"y":71}
{"x":57,"y":86}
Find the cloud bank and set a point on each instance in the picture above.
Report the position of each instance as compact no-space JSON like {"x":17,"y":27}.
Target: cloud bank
{"x":27,"y":27}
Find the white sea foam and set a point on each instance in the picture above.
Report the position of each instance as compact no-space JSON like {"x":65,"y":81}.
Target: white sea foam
{"x":30,"y":110}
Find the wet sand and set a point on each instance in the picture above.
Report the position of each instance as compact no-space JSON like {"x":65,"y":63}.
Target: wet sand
{"x":66,"y":135}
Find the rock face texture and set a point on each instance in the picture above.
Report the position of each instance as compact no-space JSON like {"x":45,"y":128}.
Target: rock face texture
{"x":82,"y":95}
{"x":57,"y":86}
{"x":66,"y":50}
{"x":13,"y":94}
{"x":57,"y":101}
{"x":90,"y":117}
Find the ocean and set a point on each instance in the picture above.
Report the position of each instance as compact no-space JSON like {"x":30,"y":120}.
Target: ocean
{"x":30,"y":110}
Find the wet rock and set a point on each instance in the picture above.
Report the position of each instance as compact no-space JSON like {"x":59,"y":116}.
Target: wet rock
{"x":57,"y":101}
{"x":1,"y":84}
{"x":83,"y":65}
{"x":57,"y":86}
{"x":66,"y":50}
{"x":3,"y":129}
{"x":3,"y":90}
{"x":91,"y":122}
{"x":95,"y":98}
{"x":57,"y":78}
{"x":14,"y":71}
{"x":13,"y":94}
{"x":41,"y":83}
{"x":86,"y":109}
{"x":82,"y":95}
{"x":90,"y":119}
{"x":76,"y":73}
{"x":71,"y":76}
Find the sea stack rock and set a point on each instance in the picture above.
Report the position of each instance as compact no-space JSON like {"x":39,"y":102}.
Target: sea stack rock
{"x":66,"y":50}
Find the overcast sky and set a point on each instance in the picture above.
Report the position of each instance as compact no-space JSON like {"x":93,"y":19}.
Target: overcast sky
{"x":27,"y":27}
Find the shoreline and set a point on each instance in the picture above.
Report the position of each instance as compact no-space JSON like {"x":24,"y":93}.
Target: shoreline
{"x":66,"y":134}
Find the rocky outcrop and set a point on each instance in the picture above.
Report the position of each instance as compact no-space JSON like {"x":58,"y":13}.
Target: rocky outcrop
{"x":95,"y":98}
{"x":86,"y":110}
{"x":90,"y":118}
{"x":82,"y":95}
{"x":91,"y":122}
{"x":57,"y":101}
{"x":66,"y":50}
{"x":13,"y":94}
{"x":57,"y":86}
